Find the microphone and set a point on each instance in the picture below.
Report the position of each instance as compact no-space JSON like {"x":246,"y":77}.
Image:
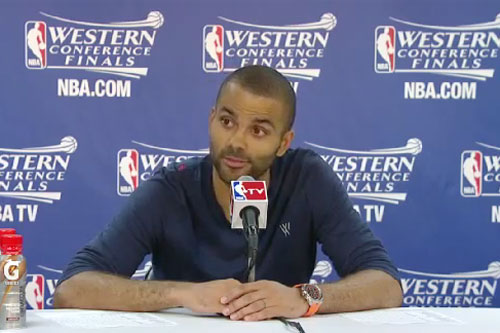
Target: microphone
{"x":248,"y":194}
{"x":249,"y":212}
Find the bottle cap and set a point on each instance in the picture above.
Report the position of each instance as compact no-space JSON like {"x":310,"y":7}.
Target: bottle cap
{"x":7,"y":231}
{"x":11,"y":244}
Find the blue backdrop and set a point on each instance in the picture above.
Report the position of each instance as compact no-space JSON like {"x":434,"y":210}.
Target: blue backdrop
{"x":401,"y":100}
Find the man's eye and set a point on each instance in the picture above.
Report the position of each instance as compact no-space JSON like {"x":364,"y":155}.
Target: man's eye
{"x":226,"y":122}
{"x":258,"y":131}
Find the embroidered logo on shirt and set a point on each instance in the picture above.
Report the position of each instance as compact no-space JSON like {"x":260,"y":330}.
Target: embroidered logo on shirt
{"x":285,"y":227}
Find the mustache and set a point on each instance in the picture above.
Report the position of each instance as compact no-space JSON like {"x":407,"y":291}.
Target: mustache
{"x":232,"y":152}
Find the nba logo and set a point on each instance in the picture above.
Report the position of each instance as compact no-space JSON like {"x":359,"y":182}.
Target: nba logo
{"x":35,"y":291}
{"x":128,"y":171}
{"x":385,"y":48}
{"x":472,"y":170}
{"x":213,"y":48}
{"x":238,"y":190}
{"x":36,"y":44}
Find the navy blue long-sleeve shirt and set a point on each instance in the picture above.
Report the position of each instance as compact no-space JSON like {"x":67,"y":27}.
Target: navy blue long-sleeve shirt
{"x":175,"y":217}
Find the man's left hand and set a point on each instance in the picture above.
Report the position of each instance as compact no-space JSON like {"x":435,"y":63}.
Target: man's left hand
{"x":263,"y":300}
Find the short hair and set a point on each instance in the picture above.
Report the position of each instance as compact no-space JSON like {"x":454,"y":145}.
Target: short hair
{"x":264,"y":81}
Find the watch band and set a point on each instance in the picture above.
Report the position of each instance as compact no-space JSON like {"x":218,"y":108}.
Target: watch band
{"x":313,"y":304}
{"x":312,"y":310}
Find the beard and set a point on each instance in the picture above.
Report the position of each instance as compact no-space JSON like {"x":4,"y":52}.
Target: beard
{"x":255,"y":167}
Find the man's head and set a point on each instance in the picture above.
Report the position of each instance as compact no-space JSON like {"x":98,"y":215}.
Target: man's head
{"x":251,"y":122}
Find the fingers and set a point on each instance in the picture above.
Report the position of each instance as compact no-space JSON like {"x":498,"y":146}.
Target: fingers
{"x":267,"y":313}
{"x":242,"y":302}
{"x":239,"y":291}
{"x":250,"y":309}
{"x":251,"y":301}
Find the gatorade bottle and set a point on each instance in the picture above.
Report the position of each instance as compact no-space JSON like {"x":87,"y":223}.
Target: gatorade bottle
{"x":12,"y":283}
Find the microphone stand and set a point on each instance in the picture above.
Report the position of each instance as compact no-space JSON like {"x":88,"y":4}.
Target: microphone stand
{"x":250,"y":216}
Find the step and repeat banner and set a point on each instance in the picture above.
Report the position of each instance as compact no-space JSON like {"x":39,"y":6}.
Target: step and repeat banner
{"x":400,"y":98}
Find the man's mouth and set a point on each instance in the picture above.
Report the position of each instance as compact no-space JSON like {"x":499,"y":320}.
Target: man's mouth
{"x":234,"y":162}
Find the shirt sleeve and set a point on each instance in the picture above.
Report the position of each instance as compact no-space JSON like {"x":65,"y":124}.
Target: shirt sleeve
{"x":131,"y":235}
{"x":344,"y":237}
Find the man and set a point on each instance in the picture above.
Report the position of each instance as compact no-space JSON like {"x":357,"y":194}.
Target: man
{"x":181,"y":216}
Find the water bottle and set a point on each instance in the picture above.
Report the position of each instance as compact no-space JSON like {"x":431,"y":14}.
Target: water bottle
{"x":13,"y":282}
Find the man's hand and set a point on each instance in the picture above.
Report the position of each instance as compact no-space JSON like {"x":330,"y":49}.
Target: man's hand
{"x":263,"y":300}
{"x":205,"y":297}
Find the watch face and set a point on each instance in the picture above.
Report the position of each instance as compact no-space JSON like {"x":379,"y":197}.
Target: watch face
{"x":314,"y":292}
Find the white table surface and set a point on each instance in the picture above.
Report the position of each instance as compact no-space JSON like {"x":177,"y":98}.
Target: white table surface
{"x":477,"y":320}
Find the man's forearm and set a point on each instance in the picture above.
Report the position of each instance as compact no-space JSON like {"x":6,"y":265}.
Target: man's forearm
{"x":368,"y":289}
{"x":97,"y":290}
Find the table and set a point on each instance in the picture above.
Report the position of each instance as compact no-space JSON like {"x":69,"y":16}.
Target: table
{"x":428,"y":320}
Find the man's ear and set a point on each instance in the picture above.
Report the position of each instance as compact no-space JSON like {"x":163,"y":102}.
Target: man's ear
{"x":211,"y":118}
{"x":211,"y":115}
{"x":286,"y":141}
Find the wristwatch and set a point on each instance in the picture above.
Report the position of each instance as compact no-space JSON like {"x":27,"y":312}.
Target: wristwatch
{"x":313,"y":295}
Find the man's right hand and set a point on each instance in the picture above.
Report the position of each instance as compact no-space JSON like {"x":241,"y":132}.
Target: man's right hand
{"x":98,"y":290}
{"x":206,"y":296}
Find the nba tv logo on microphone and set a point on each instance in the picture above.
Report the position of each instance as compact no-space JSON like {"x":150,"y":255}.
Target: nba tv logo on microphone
{"x":249,"y":190}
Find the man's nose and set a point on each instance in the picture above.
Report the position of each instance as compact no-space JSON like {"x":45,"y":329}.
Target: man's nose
{"x":238,"y":140}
